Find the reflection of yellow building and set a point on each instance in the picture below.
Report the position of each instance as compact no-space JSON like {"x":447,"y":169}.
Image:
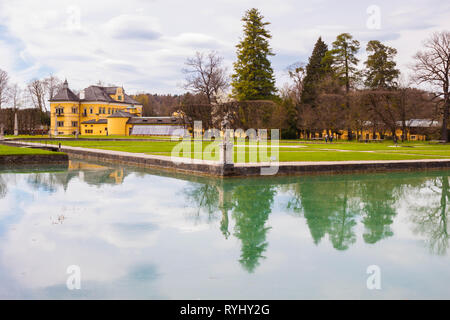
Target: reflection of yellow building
{"x":113,"y":175}
{"x":76,"y":165}
{"x":104,"y":111}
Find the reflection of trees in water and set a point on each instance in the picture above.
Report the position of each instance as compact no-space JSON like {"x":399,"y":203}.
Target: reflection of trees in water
{"x":3,"y":187}
{"x":378,"y":198}
{"x":431,"y":214}
{"x":333,"y":205}
{"x":328,"y":207}
{"x":50,"y":181}
{"x":252,"y":206}
{"x":313,"y":202}
{"x":205,"y":198}
{"x":341,"y":230}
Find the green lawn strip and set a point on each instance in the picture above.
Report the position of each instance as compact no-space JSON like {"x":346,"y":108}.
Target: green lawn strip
{"x":312,"y":156}
{"x":10,"y":151}
{"x":288,"y":152}
{"x":25,"y":136}
{"x":89,"y":137}
{"x":346,"y":156}
{"x":127,"y":137}
{"x":127,"y":146}
{"x":443,"y":153}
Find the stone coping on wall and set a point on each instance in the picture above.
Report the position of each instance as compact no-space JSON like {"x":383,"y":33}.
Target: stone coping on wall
{"x":214,"y":168}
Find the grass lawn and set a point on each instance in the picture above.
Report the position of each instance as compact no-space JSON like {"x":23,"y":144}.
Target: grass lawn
{"x":25,"y":136}
{"x":9,"y":151}
{"x":90,"y":137}
{"x":288,"y":150}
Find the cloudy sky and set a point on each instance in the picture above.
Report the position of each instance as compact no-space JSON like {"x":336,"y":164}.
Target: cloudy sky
{"x":142,"y":45}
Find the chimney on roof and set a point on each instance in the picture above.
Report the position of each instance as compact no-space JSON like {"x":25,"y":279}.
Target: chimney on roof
{"x":65,"y":84}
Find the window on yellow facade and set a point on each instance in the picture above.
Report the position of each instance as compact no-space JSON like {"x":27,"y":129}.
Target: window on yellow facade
{"x":59,"y":111}
{"x":60,"y":123}
{"x":84,"y":112}
{"x":74,"y":123}
{"x":74,"y":110}
{"x":92,"y":111}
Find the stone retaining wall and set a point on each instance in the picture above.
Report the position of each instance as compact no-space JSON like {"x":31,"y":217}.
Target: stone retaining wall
{"x":314,"y":168}
{"x":56,"y":158}
{"x":203,"y":169}
{"x":284,"y":168}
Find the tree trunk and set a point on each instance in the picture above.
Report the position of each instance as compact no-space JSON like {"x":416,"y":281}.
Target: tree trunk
{"x":445,"y":120}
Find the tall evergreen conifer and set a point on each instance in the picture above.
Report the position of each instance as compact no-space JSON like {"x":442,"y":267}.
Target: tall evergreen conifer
{"x":381,"y":72}
{"x":253,"y":77}
{"x":315,"y":71}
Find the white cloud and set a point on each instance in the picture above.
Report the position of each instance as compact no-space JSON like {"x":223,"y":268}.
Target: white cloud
{"x":143,"y":45}
{"x":136,"y":27}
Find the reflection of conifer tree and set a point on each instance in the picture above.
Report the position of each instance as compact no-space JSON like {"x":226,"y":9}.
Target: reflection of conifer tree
{"x":378,"y":198}
{"x":310,"y":199}
{"x":327,"y":209}
{"x":431,"y":219}
{"x":252,"y":206}
{"x":342,"y":222}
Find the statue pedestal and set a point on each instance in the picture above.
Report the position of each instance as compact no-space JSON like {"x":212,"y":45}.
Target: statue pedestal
{"x":226,"y":152}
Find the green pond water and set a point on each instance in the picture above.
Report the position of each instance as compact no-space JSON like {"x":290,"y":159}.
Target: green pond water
{"x":140,"y":233}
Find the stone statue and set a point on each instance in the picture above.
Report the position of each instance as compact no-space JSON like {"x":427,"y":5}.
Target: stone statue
{"x":226,"y":147}
{"x":16,"y":125}
{"x":225,"y":123}
{"x":56,"y":124}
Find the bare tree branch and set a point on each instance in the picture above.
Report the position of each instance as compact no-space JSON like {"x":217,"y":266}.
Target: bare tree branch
{"x":206,"y":75}
{"x":433,"y":67}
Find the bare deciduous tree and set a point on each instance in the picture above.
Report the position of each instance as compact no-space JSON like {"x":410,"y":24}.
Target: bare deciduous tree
{"x":3,"y":87}
{"x":297,"y":73}
{"x":432,"y":66}
{"x":15,"y":96}
{"x":206,"y":75}
{"x":36,"y":89}
{"x":52,"y":85}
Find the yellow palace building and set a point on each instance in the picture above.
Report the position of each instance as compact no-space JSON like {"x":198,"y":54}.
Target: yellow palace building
{"x":98,"y":110}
